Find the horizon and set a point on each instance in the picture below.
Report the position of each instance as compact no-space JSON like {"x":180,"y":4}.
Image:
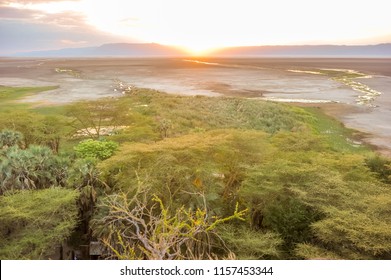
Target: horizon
{"x":266,"y":51}
{"x":197,"y":27}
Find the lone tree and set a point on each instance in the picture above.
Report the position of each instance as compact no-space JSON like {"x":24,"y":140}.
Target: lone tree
{"x":91,"y":117}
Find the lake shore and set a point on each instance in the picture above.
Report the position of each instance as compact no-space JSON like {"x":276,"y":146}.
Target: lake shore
{"x":343,"y":113}
{"x":80,"y":79}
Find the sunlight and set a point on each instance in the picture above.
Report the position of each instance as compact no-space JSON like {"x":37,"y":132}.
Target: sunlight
{"x":196,"y":49}
{"x":203,"y":26}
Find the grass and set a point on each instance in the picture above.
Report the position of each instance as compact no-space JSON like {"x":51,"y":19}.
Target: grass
{"x":10,"y":95}
{"x":190,"y":114}
{"x":340,"y":138}
{"x":50,"y":110}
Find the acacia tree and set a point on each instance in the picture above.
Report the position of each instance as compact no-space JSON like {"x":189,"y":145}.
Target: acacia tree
{"x":52,"y":130}
{"x":34,"y":222}
{"x":26,"y":122}
{"x":91,"y":117}
{"x":142,"y":227}
{"x":36,"y":129}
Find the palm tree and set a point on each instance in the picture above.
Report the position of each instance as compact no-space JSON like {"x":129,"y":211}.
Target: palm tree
{"x":9,"y":138}
{"x":32,"y":168}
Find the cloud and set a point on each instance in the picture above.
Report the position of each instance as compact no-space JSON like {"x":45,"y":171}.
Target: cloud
{"x":70,"y":42}
{"x":13,"y":13}
{"x":25,"y":29}
{"x":24,"y":2}
{"x":22,"y":35}
{"x":65,"y":19}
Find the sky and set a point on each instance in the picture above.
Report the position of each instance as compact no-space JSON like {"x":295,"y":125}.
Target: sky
{"x":197,"y":26}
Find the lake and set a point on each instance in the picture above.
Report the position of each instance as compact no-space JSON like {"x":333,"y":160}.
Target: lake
{"x":356,"y":91}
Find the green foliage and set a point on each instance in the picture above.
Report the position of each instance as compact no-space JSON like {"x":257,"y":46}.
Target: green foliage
{"x":164,"y":127}
{"x":305,"y":196}
{"x":33,"y":223}
{"x":299,"y":141}
{"x":311,"y":188}
{"x":84,"y":176}
{"x":33,"y":168}
{"x":309,"y":251}
{"x":339,"y":138}
{"x":23,"y":121}
{"x":289,"y":217}
{"x":95,"y":149}
{"x":250,"y":244}
{"x":357,"y":234}
{"x":381,"y":166}
{"x":215,"y":113}
{"x":9,"y":138}
{"x":8,"y":95}
{"x":90,"y":118}
{"x":288,"y":176}
{"x":53,"y":129}
{"x":212,"y":162}
{"x":36,"y":129}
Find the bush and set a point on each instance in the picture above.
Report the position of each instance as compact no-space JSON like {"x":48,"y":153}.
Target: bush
{"x":96,"y":149}
{"x":33,"y":223}
{"x":381,"y":166}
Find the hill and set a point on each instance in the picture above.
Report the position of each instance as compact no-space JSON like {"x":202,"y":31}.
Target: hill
{"x":109,"y":50}
{"x":157,"y":50}
{"x":381,"y":50}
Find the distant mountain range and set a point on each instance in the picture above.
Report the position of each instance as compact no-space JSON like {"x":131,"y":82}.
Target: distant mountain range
{"x":156,"y":50}
{"x":110,"y":50}
{"x":381,"y":50}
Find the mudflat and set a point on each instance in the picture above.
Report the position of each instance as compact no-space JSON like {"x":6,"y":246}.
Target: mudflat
{"x":337,"y":85}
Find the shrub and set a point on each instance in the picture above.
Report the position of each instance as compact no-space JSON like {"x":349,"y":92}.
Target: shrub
{"x":96,"y":149}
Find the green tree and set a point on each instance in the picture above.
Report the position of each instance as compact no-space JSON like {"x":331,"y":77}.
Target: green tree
{"x":90,"y":117}
{"x":52,"y":131}
{"x":95,"y":149}
{"x":291,"y":218}
{"x":33,"y":168}
{"x":26,"y":122}
{"x":164,"y":127}
{"x":247,"y":243}
{"x":9,"y":138}
{"x":381,"y":166}
{"x":84,"y":176}
{"x":37,"y":129}
{"x":33,"y":223}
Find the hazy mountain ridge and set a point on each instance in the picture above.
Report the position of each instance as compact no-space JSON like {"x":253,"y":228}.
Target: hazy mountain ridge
{"x":157,"y":50}
{"x":109,"y":50}
{"x":379,"y":50}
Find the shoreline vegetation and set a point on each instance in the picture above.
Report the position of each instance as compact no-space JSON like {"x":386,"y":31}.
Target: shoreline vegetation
{"x":348,"y":78}
{"x":160,"y":176}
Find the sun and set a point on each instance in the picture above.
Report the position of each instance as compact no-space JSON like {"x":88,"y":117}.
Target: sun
{"x":198,"y":49}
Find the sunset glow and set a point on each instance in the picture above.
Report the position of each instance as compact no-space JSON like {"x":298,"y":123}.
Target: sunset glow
{"x":201,"y":26}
